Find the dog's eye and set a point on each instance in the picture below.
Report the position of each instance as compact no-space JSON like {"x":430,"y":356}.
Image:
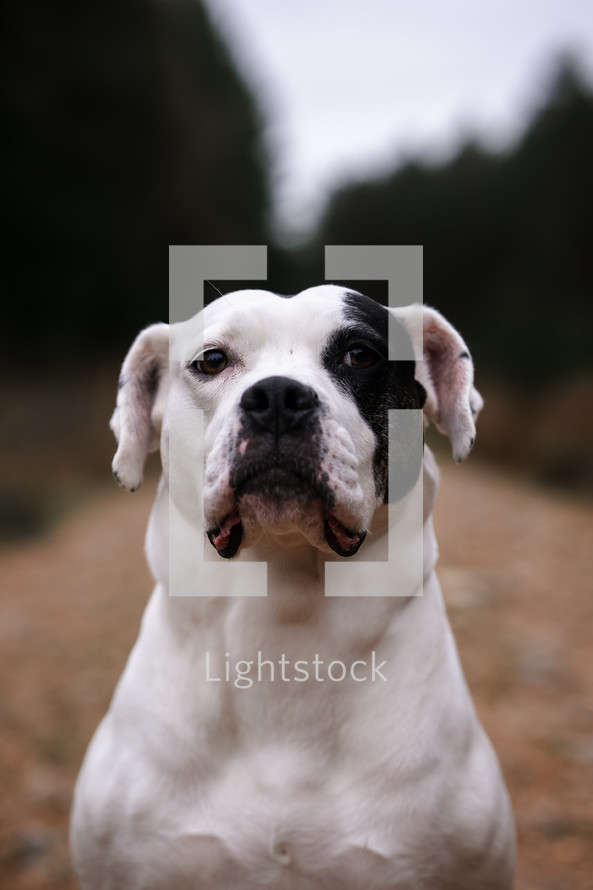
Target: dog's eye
{"x":212,"y":362}
{"x":359,"y":356}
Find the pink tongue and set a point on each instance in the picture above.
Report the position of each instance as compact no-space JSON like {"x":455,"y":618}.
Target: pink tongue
{"x":344,"y":538}
{"x":221,"y":538}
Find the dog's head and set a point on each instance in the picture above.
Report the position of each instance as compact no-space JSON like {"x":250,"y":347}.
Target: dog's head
{"x":295,"y":394}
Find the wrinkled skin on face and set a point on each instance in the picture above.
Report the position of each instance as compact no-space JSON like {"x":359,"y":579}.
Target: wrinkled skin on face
{"x":295,"y":414}
{"x":283,"y":404}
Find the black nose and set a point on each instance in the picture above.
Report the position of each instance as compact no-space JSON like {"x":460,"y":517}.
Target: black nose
{"x":279,"y":404}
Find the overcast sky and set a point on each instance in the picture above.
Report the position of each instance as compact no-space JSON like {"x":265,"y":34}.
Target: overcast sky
{"x":352,"y":86}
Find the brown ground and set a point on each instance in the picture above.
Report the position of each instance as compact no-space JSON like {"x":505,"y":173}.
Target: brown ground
{"x":516,"y":568}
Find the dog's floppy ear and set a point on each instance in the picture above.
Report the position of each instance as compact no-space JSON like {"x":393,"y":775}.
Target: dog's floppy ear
{"x":447,"y":374}
{"x":138,"y":415}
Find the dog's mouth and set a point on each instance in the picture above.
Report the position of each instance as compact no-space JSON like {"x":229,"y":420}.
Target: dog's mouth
{"x":278,"y":486}
{"x":227,"y":538}
{"x":342,"y":540}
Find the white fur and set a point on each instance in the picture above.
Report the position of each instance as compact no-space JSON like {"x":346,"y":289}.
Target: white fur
{"x":197,"y":785}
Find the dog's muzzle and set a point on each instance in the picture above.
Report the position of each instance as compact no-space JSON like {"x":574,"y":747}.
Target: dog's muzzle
{"x":277,"y":459}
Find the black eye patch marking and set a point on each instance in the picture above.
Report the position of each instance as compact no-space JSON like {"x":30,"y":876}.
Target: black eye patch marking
{"x":360,"y":356}
{"x":384,"y":384}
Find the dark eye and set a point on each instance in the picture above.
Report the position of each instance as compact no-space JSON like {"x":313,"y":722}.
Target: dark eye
{"x":359,"y":356}
{"x":212,"y":362}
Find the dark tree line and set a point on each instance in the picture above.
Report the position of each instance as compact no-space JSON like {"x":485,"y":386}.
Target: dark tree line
{"x":507,"y":237}
{"x":127,"y":129}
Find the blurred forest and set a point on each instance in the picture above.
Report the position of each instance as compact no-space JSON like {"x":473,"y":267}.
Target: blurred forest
{"x":128,"y":130}
{"x":128,"y":127}
{"x":507,"y":237}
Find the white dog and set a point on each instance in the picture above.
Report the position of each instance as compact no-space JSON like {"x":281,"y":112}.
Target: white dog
{"x":292,"y":740}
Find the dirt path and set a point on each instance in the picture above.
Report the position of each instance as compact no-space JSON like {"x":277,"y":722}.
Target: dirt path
{"x":516,"y":567}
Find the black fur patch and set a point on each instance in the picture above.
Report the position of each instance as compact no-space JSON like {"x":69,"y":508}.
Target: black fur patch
{"x":384,"y":385}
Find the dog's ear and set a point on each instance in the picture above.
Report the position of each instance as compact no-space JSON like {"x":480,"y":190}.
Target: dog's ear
{"x":141,"y":397}
{"x":446,"y":372}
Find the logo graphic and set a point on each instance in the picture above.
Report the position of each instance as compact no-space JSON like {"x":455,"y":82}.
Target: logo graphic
{"x":400,"y":573}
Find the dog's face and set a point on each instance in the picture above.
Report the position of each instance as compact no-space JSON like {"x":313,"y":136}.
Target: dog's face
{"x":295,"y":394}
